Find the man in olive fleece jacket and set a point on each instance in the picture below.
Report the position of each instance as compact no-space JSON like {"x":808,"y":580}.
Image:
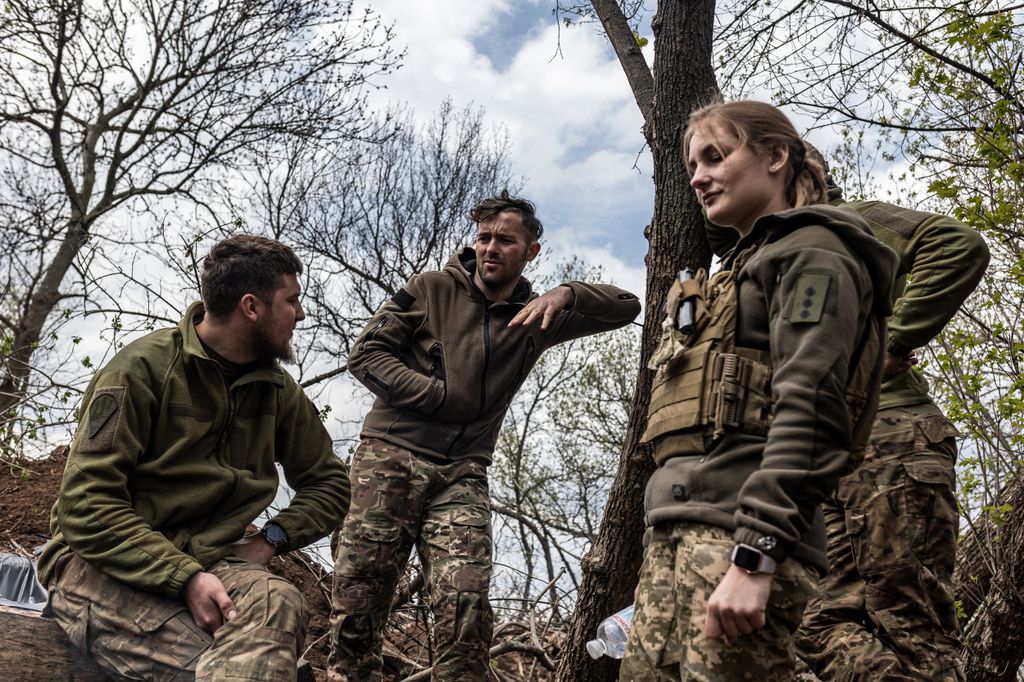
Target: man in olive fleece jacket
{"x":150,"y":570}
{"x":445,"y":357}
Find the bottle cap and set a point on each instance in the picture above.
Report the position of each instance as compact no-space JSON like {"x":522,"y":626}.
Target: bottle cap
{"x":595,"y":648}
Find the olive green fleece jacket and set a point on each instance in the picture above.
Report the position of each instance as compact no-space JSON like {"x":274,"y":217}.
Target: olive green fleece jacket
{"x":170,"y":464}
{"x":766,"y":489}
{"x":941,"y":263}
{"x":444,"y":364}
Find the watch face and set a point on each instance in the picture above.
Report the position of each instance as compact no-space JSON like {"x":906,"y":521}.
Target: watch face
{"x":746,"y":558}
{"x":274,"y":534}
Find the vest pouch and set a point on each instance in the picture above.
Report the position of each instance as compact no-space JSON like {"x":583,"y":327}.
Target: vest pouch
{"x":677,"y":395}
{"x":738,"y":395}
{"x":674,"y":341}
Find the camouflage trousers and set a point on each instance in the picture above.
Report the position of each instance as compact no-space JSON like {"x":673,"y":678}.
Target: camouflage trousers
{"x":683,"y":564}
{"x":886,"y":609}
{"x":135,"y":635}
{"x":400,"y":499}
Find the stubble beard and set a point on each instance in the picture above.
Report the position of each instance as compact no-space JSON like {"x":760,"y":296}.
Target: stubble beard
{"x":267,"y":350}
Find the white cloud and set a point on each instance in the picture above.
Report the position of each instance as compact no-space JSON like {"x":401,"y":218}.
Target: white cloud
{"x":574,"y":126}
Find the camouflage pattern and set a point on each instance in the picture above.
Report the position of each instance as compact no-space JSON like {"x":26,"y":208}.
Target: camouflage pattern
{"x":886,"y":609}
{"x":683,"y":564}
{"x":136,"y":635}
{"x":400,"y":499}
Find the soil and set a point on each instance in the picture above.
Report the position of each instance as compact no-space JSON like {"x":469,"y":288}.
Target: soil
{"x":28,"y":489}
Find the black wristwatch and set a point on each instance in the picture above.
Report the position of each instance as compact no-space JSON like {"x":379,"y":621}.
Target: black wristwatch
{"x":752,"y":560}
{"x":275,"y":535}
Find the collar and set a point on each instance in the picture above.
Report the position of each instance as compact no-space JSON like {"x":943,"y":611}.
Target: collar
{"x":269,"y":371}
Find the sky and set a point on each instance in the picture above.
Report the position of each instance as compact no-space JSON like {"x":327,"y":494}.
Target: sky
{"x":574,"y":128}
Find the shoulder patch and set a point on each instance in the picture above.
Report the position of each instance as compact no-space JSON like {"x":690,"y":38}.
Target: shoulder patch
{"x":809,"y":298}
{"x":403,"y":299}
{"x":101,"y":419}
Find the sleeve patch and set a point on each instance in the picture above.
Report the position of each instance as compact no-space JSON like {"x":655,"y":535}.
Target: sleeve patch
{"x":403,"y":299}
{"x":102,"y":419}
{"x":809,"y":298}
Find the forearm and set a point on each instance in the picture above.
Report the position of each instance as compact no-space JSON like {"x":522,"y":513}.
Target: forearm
{"x":947,"y":262}
{"x":596,"y":308}
{"x":103,"y":529}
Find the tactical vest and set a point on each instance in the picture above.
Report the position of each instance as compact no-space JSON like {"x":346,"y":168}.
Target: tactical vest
{"x":706,"y":385}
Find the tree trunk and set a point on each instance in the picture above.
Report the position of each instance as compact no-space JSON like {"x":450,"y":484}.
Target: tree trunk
{"x":18,"y":364}
{"x":989,"y":583}
{"x":683,"y":80}
{"x":35,"y":649}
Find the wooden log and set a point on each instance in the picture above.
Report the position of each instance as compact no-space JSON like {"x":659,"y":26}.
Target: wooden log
{"x":35,"y":649}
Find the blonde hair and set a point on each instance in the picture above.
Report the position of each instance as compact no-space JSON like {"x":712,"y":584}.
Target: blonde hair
{"x":763,"y":127}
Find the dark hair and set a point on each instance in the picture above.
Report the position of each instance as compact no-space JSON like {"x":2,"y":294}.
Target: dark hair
{"x":764,"y":127}
{"x":244,"y":264}
{"x":492,"y":206}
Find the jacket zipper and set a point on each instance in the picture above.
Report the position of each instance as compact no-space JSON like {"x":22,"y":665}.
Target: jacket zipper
{"x":369,"y":336}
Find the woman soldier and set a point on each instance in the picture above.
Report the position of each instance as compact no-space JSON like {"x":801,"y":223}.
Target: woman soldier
{"x":767,"y":379}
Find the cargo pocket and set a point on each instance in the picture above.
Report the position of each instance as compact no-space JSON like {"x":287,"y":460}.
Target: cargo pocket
{"x":471,"y":537}
{"x":931,"y":507}
{"x":373,"y":551}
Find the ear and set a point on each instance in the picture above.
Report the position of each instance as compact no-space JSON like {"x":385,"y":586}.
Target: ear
{"x":250,"y":306}
{"x":532,"y":251}
{"x":778,"y":157}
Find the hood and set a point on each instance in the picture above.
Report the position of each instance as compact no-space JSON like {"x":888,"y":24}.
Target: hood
{"x":462,"y":265}
{"x":881,"y":261}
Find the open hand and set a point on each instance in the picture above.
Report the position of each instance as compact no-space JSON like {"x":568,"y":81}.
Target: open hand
{"x":545,"y":307}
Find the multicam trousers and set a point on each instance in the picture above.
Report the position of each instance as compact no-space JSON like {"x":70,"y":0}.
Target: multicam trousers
{"x":683,"y":564}
{"x":886,"y":609}
{"x":135,"y":635}
{"x":400,"y":499}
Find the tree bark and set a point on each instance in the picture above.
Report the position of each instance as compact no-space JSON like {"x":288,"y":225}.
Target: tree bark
{"x":989,"y":583}
{"x":35,"y":649}
{"x":683,"y":80}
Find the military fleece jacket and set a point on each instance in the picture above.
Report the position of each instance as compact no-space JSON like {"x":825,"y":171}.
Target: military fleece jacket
{"x":770,"y":486}
{"x":941,"y":263}
{"x":170,"y":464}
{"x":445,"y":365}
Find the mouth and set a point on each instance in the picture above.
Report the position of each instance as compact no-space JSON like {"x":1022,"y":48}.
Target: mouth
{"x":706,"y":199}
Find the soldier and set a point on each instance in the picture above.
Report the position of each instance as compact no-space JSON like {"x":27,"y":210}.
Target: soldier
{"x":887,"y":609}
{"x":150,"y":570}
{"x":767,"y":379}
{"x":444,"y":357}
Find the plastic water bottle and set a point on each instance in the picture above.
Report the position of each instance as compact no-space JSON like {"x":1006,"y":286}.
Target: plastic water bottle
{"x":612,"y":634}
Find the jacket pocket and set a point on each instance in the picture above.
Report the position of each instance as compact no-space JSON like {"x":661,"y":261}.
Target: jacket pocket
{"x":439,"y":369}
{"x":377,"y":384}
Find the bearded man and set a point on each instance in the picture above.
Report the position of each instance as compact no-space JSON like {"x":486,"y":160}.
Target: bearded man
{"x":150,"y":570}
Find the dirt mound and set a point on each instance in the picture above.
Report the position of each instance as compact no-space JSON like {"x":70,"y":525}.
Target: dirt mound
{"x":28,"y":489}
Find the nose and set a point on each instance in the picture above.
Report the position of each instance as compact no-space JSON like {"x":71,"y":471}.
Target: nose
{"x":700,"y":179}
{"x":300,"y":313}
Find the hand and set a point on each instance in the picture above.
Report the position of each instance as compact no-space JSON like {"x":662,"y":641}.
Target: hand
{"x":550,"y":304}
{"x":737,"y":606}
{"x":897,"y":364}
{"x":208,"y":601}
{"x":254,"y":548}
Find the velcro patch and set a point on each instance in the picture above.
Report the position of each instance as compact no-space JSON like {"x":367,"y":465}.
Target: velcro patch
{"x":809,"y":298}
{"x":403,"y":299}
{"x":102,"y":418}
